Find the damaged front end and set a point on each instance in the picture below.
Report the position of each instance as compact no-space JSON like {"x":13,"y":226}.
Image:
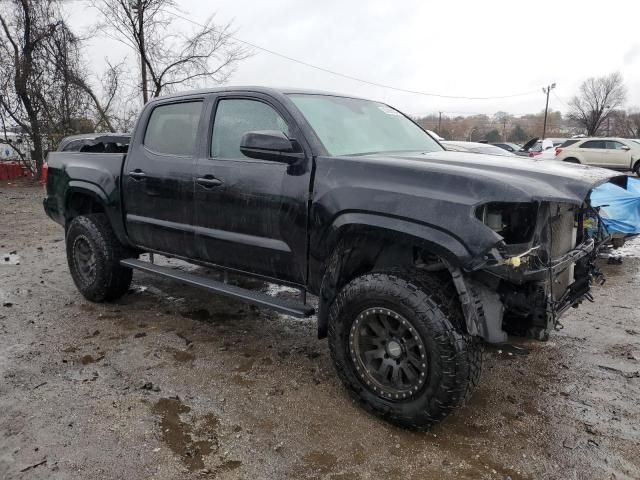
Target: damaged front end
{"x":544,"y":264}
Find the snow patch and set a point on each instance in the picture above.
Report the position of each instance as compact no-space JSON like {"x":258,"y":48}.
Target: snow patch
{"x":631,"y":248}
{"x":274,"y":289}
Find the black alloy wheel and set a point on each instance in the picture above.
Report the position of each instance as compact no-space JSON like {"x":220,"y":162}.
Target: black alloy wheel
{"x":399,"y":345}
{"x":93,"y":255}
{"x":389,"y":354}
{"x":84,"y":259}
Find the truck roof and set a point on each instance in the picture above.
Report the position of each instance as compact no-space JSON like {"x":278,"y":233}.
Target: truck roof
{"x":252,"y":88}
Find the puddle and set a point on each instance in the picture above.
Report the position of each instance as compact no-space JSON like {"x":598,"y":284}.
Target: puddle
{"x":321,"y":462}
{"x":177,"y":434}
{"x":87,"y":359}
{"x":204,"y":315}
{"x":182,"y":356}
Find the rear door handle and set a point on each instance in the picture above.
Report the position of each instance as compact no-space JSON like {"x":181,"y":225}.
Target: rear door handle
{"x":137,"y":174}
{"x":208,"y":181}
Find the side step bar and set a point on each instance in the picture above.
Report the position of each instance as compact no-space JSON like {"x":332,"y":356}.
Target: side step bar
{"x":249,"y":296}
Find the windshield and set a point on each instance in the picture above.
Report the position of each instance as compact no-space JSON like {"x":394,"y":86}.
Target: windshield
{"x":350,"y":126}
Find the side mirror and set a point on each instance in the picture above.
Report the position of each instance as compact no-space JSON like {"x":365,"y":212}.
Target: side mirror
{"x":270,"y":145}
{"x":625,"y":148}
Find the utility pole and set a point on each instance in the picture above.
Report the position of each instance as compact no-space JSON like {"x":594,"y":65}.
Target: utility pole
{"x":440,"y":123}
{"x":547,"y":91}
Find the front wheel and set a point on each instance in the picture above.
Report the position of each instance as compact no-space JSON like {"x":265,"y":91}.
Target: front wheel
{"x":398,"y":345}
{"x":636,"y":168}
{"x":93,"y":255}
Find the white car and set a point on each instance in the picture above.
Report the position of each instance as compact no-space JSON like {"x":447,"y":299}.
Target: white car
{"x":474,"y":147}
{"x":613,"y":153}
{"x":435,"y":135}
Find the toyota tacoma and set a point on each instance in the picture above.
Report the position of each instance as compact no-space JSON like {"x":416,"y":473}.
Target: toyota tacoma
{"x":418,"y":256}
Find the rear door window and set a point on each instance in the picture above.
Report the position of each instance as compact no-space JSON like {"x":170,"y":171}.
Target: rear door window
{"x":172,"y":128}
{"x":593,"y":144}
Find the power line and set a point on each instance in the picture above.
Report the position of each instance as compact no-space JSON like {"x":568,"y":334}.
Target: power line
{"x":560,"y":100}
{"x":357,"y":79}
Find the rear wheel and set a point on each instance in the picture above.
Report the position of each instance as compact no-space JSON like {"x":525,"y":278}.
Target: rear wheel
{"x":398,"y":344}
{"x":571,"y":160}
{"x":93,"y":255}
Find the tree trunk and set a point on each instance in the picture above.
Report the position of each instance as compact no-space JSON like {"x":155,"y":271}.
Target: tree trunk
{"x":36,"y":135}
{"x":143,"y":60}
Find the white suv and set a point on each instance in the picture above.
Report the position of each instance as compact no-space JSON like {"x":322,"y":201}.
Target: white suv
{"x":613,"y":153}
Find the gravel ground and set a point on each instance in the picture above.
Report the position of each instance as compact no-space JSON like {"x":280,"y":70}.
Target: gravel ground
{"x":170,"y":382}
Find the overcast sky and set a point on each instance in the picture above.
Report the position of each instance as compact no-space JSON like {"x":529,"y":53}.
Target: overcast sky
{"x":461,"y":48}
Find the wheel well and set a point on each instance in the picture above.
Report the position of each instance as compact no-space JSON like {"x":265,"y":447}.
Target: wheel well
{"x":363,"y":250}
{"x":80,"y":203}
{"x":571,"y":160}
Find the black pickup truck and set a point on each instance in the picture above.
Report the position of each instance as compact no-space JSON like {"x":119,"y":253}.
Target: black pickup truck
{"x":418,"y":256}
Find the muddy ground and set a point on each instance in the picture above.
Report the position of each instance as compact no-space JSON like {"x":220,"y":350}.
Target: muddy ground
{"x":170,"y":382}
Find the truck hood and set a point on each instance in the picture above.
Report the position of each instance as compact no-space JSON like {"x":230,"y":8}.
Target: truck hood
{"x":490,"y":177}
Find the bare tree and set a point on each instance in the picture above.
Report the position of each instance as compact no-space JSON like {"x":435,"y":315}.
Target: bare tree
{"x":104,"y":102}
{"x":598,"y":97}
{"x":168,"y":58}
{"x":39,"y":62}
{"x":24,"y":27}
{"x":503,"y":118}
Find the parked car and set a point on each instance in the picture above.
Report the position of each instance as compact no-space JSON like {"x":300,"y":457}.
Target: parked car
{"x":614,"y":153}
{"x":524,"y":150}
{"x":435,"y":135}
{"x":418,"y":256}
{"x":538,"y":147}
{"x":509,"y":147}
{"x":474,"y":147}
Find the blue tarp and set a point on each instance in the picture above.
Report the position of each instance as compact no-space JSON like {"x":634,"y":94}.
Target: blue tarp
{"x":620,"y":208}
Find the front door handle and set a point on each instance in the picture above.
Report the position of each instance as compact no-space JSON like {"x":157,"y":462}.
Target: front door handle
{"x":137,"y":174}
{"x":208,"y":181}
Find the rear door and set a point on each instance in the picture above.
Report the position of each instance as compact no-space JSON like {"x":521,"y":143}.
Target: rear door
{"x":158,"y":177}
{"x":251,"y":215}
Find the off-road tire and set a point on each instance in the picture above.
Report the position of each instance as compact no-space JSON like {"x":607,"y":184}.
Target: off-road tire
{"x":432,"y":306}
{"x":109,"y":280}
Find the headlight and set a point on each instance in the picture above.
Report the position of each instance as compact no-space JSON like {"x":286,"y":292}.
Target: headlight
{"x":514,"y":222}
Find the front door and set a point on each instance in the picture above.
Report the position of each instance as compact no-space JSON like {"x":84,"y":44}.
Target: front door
{"x":158,"y":179}
{"x":251,"y":215}
{"x":618,"y":155}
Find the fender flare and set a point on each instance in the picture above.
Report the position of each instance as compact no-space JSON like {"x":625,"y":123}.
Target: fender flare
{"x":86,"y":188}
{"x":443,"y":244}
{"x":99,"y":195}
